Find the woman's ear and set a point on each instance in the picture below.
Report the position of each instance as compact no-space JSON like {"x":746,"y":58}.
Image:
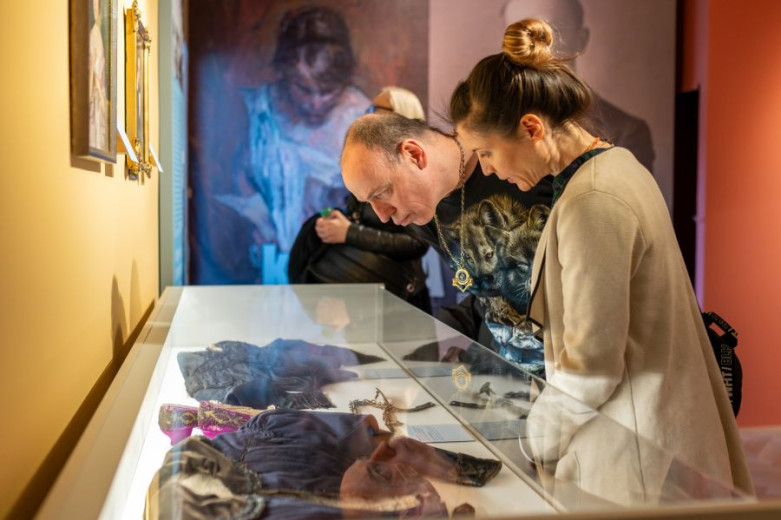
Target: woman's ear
{"x":532,"y":126}
{"x":411,"y":149}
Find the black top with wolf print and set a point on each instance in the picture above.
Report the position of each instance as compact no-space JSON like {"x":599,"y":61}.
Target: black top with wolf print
{"x":503,"y":226}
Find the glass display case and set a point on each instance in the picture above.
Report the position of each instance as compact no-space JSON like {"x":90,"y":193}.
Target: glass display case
{"x":331,"y":400}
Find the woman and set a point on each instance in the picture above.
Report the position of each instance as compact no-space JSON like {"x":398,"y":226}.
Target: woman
{"x":621,"y":325}
{"x":364,"y":230}
{"x":296,"y":126}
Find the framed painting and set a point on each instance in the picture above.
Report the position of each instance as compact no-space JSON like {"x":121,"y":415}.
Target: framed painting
{"x":93,"y":79}
{"x":137,"y":48}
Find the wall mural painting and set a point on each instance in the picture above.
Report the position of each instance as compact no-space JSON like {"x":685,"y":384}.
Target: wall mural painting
{"x":275,"y":86}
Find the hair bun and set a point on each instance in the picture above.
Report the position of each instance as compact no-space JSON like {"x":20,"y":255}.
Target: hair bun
{"x":528,"y":43}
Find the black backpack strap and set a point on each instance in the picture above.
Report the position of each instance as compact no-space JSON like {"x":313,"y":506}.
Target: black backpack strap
{"x":724,"y":341}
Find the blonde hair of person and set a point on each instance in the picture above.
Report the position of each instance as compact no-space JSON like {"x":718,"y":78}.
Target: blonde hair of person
{"x":405,"y":103}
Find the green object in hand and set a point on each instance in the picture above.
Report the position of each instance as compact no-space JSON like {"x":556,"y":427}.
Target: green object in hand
{"x":325,"y":212}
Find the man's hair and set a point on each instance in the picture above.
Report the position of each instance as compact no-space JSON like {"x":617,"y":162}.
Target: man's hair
{"x":385,"y":132}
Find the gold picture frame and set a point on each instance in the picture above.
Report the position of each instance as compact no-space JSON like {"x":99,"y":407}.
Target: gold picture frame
{"x":137,"y":49}
{"x":93,"y":79}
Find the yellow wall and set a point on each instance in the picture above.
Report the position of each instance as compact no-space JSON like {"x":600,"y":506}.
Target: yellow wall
{"x":79,"y":262}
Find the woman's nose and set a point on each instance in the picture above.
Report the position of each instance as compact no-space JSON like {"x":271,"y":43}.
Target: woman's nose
{"x":486,"y":166}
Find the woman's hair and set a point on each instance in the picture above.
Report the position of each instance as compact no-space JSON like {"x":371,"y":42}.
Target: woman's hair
{"x":405,"y":103}
{"x":525,"y":77}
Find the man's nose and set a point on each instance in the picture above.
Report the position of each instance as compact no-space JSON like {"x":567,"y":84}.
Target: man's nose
{"x":383,"y":211}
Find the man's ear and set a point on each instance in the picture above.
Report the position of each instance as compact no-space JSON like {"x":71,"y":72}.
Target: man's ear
{"x":412,"y":150}
{"x":532,"y":126}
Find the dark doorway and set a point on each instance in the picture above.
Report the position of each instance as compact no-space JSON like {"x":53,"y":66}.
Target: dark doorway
{"x":687,"y":109}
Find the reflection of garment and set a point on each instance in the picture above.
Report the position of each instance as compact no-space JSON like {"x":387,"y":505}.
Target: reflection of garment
{"x":396,"y":469}
{"x":296,"y":449}
{"x":197,"y":482}
{"x":98,"y":101}
{"x":478,"y":358}
{"x":287,"y":373}
{"x":290,"y":464}
{"x":624,"y":335}
{"x":293,"y":167}
{"x":498,"y":277}
{"x":304,"y":450}
{"x":623,"y":129}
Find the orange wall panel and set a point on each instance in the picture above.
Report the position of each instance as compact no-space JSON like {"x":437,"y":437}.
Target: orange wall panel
{"x":742,"y":172}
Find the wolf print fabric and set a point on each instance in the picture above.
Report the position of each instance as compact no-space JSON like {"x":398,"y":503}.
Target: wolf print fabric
{"x":502,"y":226}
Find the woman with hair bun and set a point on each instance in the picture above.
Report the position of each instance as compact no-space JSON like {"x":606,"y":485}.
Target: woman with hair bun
{"x":622,"y":329}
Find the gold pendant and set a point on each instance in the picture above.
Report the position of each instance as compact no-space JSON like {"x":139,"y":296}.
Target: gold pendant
{"x":461,"y":377}
{"x":462,"y":280}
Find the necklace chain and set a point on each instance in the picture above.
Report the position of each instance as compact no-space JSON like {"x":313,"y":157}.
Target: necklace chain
{"x":462,"y":280}
{"x":387,"y":407}
{"x":596,"y":142}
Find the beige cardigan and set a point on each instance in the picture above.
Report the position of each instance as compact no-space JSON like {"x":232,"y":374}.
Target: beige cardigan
{"x":623,"y":334}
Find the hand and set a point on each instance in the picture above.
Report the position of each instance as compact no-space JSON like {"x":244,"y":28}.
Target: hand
{"x":333,"y":228}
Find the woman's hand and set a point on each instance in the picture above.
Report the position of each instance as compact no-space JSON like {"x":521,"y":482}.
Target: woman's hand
{"x":333,"y":228}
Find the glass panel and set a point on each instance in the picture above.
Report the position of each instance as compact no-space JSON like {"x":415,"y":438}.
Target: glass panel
{"x":347,"y":366}
{"x":577,"y":458}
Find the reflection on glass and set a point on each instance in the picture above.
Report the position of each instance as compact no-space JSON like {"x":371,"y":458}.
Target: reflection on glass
{"x":284,"y":418}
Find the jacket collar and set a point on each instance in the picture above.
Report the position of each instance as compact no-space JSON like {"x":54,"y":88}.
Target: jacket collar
{"x":535,"y":313}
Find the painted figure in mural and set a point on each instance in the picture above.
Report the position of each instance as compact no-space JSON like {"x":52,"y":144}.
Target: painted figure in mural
{"x":98,"y":97}
{"x":296,"y":130}
{"x":178,"y":42}
{"x":567,"y":19}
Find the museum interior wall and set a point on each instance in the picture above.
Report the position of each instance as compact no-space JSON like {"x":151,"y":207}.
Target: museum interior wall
{"x":733,"y":53}
{"x":81,"y":252}
{"x":636,"y":38}
{"x":80,"y":262}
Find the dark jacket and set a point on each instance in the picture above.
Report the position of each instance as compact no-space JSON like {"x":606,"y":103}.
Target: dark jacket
{"x":369,"y":233}
{"x":374,"y":252}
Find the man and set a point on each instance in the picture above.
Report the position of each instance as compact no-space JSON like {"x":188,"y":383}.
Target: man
{"x":418,"y":176}
{"x":295,"y":129}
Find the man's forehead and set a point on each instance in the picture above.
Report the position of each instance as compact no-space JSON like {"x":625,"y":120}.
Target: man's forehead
{"x":364,"y":171}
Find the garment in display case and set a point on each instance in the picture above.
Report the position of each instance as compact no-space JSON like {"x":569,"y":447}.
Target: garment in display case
{"x":344,"y":400}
